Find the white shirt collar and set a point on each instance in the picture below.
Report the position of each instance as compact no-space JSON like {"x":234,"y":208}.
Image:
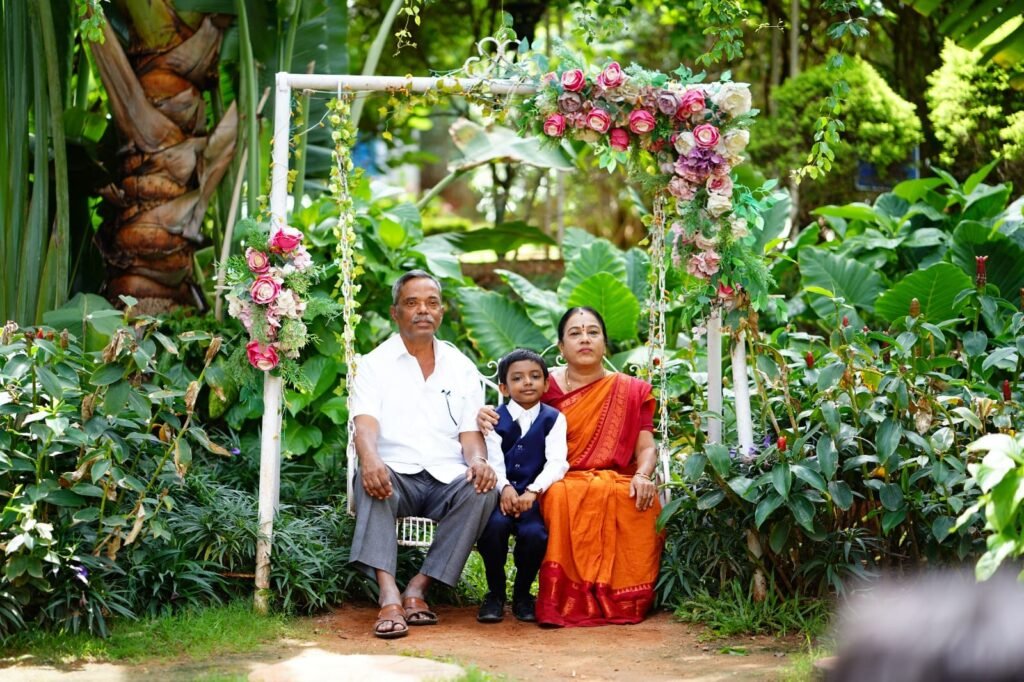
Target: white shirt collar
{"x":515,"y":410}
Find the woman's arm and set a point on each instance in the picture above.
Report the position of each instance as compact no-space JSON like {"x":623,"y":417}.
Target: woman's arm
{"x":642,"y":485}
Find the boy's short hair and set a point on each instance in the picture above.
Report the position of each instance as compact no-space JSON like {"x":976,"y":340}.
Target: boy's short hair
{"x":518,"y":355}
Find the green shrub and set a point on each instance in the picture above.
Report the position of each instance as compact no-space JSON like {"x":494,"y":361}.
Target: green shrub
{"x":881,"y":128}
{"x":976,"y":113}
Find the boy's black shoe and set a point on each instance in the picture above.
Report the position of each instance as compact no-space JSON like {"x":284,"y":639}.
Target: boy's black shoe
{"x":524,"y":609}
{"x":492,"y":610}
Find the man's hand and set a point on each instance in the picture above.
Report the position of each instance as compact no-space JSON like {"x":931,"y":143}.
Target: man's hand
{"x":526,"y":501}
{"x":509,"y":501}
{"x":486,"y":419}
{"x":482,"y":475}
{"x":376,"y":477}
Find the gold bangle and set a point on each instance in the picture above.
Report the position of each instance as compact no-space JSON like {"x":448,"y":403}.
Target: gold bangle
{"x":643,"y":475}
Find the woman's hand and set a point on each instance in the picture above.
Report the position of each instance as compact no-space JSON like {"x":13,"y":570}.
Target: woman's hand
{"x":643,"y":489}
{"x":486,"y":419}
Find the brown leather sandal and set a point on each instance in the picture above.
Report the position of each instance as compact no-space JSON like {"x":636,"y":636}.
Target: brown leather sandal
{"x":417,"y":612}
{"x":395,"y":615}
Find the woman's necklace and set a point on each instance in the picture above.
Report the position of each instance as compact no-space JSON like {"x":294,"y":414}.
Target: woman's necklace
{"x":568,"y":381}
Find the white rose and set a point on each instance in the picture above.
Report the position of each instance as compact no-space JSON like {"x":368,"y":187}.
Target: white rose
{"x":684,"y":143}
{"x":736,"y":141}
{"x":718,"y":204}
{"x":739,"y":227}
{"x":733,"y":98}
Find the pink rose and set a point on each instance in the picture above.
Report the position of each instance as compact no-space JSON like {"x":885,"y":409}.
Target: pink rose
{"x":703,"y":265}
{"x":612,"y":76}
{"x":573,"y":80}
{"x":725,"y":291}
{"x":720,"y":184}
{"x":301,"y":259}
{"x":599,"y":120}
{"x":641,"y":121}
{"x":285,"y":240}
{"x":706,"y":135}
{"x":692,"y":102}
{"x":681,"y":189}
{"x":264,"y":289}
{"x":257,"y":261}
{"x":704,"y":243}
{"x":549,"y":77}
{"x":554,"y":126}
{"x":263,"y":359}
{"x":619,"y":139}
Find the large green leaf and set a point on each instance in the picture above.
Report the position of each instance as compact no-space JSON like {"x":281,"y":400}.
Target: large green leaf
{"x":854,"y":211}
{"x":599,"y":256}
{"x":574,"y":240}
{"x":935,"y":288}
{"x":1005,"y":265}
{"x":855,"y":282}
{"x":89,"y":317}
{"x":496,"y":325}
{"x":500,"y":239}
{"x":480,"y":146}
{"x":438,"y":253}
{"x":609,"y":296}
{"x":638,"y":265}
{"x":542,"y":305}
{"x":773,"y":221}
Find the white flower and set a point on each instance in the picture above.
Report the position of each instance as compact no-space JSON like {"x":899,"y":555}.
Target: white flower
{"x":718,"y":204}
{"x":288,"y":304}
{"x":684,"y":143}
{"x":739,"y":227}
{"x":736,"y":141}
{"x":733,"y":98}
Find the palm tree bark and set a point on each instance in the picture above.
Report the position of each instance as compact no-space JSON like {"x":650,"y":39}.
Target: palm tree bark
{"x":168,"y":167}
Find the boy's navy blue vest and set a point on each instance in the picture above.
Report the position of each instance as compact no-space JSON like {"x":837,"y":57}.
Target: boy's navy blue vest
{"x":524,"y":454}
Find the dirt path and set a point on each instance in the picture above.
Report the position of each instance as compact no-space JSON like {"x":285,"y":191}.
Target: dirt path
{"x":657,"y":649}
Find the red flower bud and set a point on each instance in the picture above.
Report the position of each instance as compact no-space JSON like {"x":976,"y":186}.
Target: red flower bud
{"x":809,"y":359}
{"x":781,"y":444}
{"x":39,"y":333}
{"x":1007,"y":393}
{"x":980,"y":273}
{"x":846,"y":321}
{"x":657,"y":361}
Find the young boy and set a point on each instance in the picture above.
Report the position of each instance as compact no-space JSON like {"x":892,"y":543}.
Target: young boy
{"x":528,"y":452}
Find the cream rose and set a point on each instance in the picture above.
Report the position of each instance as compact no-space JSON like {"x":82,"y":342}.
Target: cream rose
{"x":733,"y":98}
{"x":736,"y":141}
{"x":718,"y":204}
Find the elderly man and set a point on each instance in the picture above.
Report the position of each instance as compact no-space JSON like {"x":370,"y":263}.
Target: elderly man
{"x":415,"y":402}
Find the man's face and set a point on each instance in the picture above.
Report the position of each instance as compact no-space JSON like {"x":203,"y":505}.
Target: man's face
{"x":419,"y":311}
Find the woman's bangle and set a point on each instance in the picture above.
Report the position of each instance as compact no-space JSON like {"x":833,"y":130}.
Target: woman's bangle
{"x":643,"y":475}
{"x":478,"y":458}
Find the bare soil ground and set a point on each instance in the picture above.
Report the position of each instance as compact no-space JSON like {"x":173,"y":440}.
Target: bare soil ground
{"x":660,"y":648}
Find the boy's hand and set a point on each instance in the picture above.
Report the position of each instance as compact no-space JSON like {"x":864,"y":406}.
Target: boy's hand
{"x":509,"y":501}
{"x":526,"y":501}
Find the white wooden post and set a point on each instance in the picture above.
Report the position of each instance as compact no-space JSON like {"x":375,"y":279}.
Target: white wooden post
{"x":270,"y":440}
{"x":715,"y":375}
{"x":741,"y":391}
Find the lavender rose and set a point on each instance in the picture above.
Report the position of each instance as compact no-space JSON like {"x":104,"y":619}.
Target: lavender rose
{"x":570,"y":102}
{"x":668,"y":102}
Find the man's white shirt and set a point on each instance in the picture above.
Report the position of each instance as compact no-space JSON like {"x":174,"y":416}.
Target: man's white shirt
{"x":420,"y":419}
{"x":556,"y":451}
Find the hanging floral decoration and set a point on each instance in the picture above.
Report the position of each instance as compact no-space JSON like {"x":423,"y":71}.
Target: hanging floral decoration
{"x":680,"y":138}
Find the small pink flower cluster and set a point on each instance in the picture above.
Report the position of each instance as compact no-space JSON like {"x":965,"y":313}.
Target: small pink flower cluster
{"x":690,"y":130}
{"x":263,"y":293}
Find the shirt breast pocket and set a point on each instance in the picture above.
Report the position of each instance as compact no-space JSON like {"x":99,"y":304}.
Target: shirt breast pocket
{"x":450,"y":408}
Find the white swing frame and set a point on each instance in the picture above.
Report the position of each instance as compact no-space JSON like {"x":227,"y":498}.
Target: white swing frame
{"x":270,"y":443}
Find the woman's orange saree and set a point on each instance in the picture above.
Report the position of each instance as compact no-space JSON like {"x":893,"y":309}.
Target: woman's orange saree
{"x":602,"y":557}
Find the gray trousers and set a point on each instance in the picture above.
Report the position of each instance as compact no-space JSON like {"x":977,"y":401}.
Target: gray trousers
{"x":461,"y":514}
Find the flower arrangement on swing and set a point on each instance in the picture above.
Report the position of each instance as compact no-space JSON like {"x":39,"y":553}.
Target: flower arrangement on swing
{"x":269,"y":290}
{"x":678,"y":137}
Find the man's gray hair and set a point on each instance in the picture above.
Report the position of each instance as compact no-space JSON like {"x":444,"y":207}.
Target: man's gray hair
{"x":396,"y":288}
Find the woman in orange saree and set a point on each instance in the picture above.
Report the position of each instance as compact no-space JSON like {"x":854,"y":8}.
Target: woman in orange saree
{"x":603,"y":550}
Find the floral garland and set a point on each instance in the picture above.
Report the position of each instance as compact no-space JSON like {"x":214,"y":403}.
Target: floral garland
{"x":682,"y":139}
{"x":268,"y":294}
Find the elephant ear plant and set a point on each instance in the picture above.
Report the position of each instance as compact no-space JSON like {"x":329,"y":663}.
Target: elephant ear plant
{"x":93,"y":449}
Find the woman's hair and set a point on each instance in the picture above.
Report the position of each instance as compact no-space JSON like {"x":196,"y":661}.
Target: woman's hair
{"x":581,"y":309}
{"x":519,"y":355}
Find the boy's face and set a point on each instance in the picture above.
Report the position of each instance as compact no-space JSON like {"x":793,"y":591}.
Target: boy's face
{"x":525,"y":383}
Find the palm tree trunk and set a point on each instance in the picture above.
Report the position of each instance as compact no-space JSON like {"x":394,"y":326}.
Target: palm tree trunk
{"x":168,"y":167}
